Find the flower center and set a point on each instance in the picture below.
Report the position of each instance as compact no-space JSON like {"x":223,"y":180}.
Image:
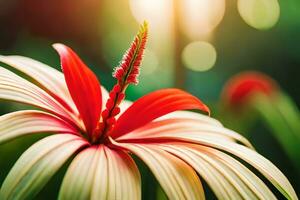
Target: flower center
{"x":126,"y":73}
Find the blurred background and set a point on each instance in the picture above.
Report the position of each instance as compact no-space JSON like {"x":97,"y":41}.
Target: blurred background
{"x":196,"y":45}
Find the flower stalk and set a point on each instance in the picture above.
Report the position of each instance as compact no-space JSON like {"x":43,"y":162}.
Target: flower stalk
{"x":126,"y":73}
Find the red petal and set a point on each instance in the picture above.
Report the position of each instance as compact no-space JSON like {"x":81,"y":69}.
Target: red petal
{"x":83,"y":86}
{"x":154,"y":105}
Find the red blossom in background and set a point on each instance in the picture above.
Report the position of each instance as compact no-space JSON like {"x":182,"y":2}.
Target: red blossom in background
{"x":241,"y":87}
{"x":261,"y":95}
{"x":102,"y":130}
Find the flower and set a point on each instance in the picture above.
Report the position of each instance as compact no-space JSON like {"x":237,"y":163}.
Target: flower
{"x":241,"y":88}
{"x":255,"y":92}
{"x":102,"y":130}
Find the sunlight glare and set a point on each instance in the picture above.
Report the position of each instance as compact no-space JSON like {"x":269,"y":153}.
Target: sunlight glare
{"x":200,"y":17}
{"x":156,"y":12}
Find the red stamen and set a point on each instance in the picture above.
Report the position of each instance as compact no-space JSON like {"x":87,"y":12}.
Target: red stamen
{"x":128,"y":70}
{"x":127,"y":73}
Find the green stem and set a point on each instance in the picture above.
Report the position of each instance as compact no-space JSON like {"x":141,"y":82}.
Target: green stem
{"x":283,"y":119}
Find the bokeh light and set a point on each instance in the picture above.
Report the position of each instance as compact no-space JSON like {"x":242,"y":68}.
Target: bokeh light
{"x":199,"y":56}
{"x":200,"y":17}
{"x":150,"y":63}
{"x":156,"y":12}
{"x":260,"y":14}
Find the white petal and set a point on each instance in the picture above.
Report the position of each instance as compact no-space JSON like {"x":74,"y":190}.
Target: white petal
{"x":161,"y":132}
{"x":38,"y":164}
{"x":221,"y":187}
{"x":191,"y":115}
{"x":248,"y":177}
{"x":240,"y":182}
{"x":48,"y":77}
{"x":20,"y":123}
{"x":125,"y":104}
{"x":186,"y":129}
{"x":263,"y":165}
{"x":178,"y":179}
{"x":101,"y":173}
{"x":15,"y":88}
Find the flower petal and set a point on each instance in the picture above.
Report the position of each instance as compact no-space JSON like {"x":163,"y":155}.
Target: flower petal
{"x":125,"y":104}
{"x":154,"y":105}
{"x":183,"y":129}
{"x":227,"y":177}
{"x":15,"y":88}
{"x":38,"y":164}
{"x":191,"y":115}
{"x":49,"y":78}
{"x":83,"y":86}
{"x":20,"y":123}
{"x":219,"y":139}
{"x":178,"y":179}
{"x":101,"y":173}
{"x":263,"y":165}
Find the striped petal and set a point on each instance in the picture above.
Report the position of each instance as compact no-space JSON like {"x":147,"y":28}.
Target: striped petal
{"x":125,"y":104}
{"x":216,"y":137}
{"x":47,"y":77}
{"x":83,"y":86}
{"x":187,"y":129}
{"x":178,"y":179}
{"x":101,"y":173}
{"x":38,"y":164}
{"x":21,"y":123}
{"x":191,"y":115}
{"x":227,"y":177}
{"x":15,"y":88}
{"x":154,"y":105}
{"x":263,"y":165}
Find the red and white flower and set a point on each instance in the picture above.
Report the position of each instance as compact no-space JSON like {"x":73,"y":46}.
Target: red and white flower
{"x":102,"y":130}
